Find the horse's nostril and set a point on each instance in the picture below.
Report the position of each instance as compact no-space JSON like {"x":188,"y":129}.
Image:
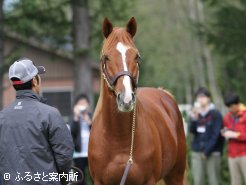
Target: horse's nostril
{"x":126,"y":100}
{"x":119,"y":97}
{"x":133,"y":97}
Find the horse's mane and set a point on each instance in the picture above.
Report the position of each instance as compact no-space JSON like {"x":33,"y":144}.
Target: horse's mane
{"x":117,"y":35}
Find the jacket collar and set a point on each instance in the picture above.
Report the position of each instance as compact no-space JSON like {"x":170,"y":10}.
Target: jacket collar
{"x":210,"y":107}
{"x":29,"y":94}
{"x":242,"y":107}
{"x":242,"y":110}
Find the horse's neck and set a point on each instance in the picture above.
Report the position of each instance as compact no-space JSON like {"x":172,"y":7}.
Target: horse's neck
{"x":115,"y":122}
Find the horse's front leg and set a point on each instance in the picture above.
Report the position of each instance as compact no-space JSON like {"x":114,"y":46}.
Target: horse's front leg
{"x":175,"y":180}
{"x":151,"y":181}
{"x":97,"y":182}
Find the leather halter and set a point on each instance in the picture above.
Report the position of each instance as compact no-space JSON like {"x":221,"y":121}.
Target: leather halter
{"x":111,"y":81}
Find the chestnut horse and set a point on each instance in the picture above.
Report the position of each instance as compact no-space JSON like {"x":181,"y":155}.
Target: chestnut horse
{"x":144,"y":119}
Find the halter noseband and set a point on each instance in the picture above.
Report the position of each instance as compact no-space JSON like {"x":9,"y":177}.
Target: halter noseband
{"x":111,"y":81}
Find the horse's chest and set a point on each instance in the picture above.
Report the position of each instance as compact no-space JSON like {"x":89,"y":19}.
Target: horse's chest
{"x":108,"y":167}
{"x":114,"y":172}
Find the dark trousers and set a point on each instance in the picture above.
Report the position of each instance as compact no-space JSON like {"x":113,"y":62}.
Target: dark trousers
{"x":81,"y":163}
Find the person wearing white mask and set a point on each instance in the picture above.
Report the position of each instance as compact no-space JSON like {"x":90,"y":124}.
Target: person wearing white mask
{"x":205,"y":125}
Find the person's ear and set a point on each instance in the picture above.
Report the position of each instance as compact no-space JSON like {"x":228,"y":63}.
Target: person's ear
{"x":34,"y":82}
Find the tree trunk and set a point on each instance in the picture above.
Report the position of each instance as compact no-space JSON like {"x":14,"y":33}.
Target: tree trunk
{"x":81,"y":42}
{"x":212,"y":81}
{"x":198,"y":69}
{"x":209,"y":62}
{"x":183,"y":18}
{"x":1,"y":54}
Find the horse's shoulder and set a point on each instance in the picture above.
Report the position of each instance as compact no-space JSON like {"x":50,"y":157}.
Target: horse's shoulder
{"x":154,"y":93}
{"x":161,"y":106}
{"x":157,"y":99}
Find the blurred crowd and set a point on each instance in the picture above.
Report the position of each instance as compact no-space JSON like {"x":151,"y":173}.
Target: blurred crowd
{"x":210,"y":131}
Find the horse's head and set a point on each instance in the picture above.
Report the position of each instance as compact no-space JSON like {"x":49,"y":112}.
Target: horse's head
{"x":120,"y":63}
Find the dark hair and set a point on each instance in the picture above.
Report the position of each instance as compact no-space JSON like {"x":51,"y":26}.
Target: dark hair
{"x":25,"y":86}
{"x":203,"y":91}
{"x":80,"y":97}
{"x":231,"y":99}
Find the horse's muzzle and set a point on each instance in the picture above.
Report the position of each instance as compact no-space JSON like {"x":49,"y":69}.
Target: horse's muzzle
{"x":125,"y":106}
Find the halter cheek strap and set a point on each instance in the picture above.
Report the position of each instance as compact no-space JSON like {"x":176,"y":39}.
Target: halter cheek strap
{"x":111,"y":81}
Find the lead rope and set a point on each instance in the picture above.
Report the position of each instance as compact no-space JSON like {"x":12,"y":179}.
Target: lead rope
{"x":130,"y":160}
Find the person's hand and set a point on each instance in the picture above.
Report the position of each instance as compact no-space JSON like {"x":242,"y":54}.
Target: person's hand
{"x":229,"y":134}
{"x":222,"y":131}
{"x":87,"y":118}
{"x":76,"y":113}
{"x":203,"y":156}
{"x":194,"y":115}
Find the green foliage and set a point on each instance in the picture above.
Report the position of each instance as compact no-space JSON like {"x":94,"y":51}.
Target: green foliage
{"x":228,"y":30}
{"x":50,"y":21}
{"x":226,"y":33}
{"x":164,"y":41}
{"x":158,"y":39}
{"x":165,"y":36}
{"x":13,"y":56}
{"x":118,"y":12}
{"x":236,"y":76}
{"x":46,"y":21}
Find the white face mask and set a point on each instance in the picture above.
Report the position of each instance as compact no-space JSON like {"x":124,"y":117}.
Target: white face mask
{"x":197,"y":105}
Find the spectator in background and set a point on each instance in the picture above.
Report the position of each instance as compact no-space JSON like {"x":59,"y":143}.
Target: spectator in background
{"x":80,"y":128}
{"x":205,"y":125}
{"x":235,"y":132}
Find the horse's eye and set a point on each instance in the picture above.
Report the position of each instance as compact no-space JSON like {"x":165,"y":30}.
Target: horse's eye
{"x":138,"y":58}
{"x":105,"y":58}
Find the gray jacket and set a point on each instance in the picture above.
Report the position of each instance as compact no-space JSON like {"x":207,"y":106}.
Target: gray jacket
{"x":34,"y":139}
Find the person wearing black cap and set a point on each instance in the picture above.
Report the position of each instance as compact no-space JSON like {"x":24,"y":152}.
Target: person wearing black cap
{"x":34,"y":140}
{"x":207,"y":144}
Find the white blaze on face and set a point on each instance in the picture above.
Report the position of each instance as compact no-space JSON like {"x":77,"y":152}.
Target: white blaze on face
{"x":126,"y":81}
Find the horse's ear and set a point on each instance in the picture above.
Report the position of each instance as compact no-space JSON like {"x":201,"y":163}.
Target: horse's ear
{"x":131,"y":26}
{"x":107,"y":27}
